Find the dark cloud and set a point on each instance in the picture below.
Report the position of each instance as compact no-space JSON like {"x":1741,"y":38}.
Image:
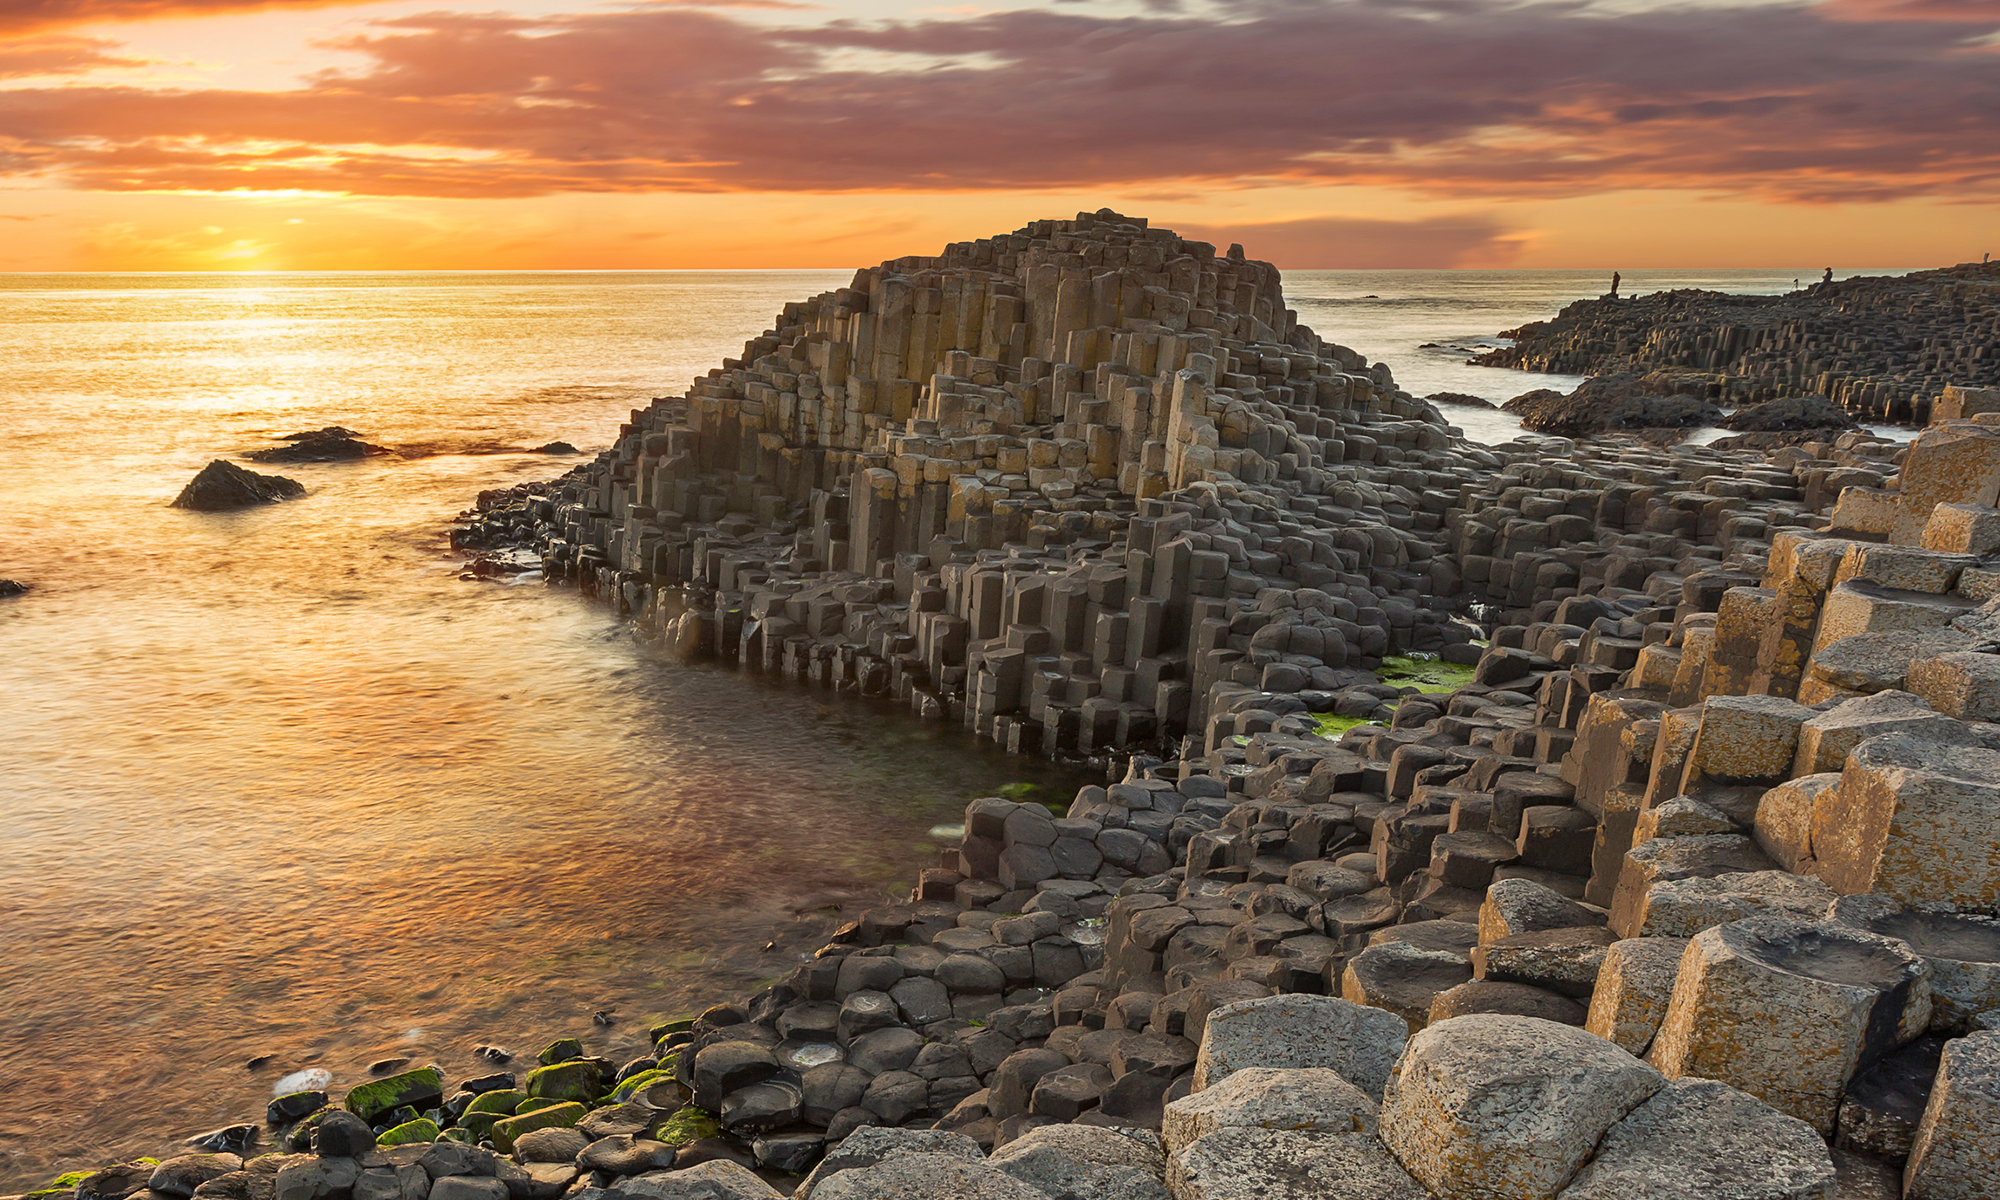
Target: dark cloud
{"x":1859,"y":100}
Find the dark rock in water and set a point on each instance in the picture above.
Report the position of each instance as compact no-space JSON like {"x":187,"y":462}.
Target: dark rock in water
{"x":293,"y":1105}
{"x":115,"y":1182}
{"x":555,"y":448}
{"x":342,"y":1135}
{"x":230,"y":1139}
{"x":332,"y":444}
{"x":9,"y":588}
{"x":223,"y":485}
{"x":499,"y":1081}
{"x":1610,"y":403}
{"x":387,"y":1066}
{"x":1788,"y":414}
{"x":1460,"y":399}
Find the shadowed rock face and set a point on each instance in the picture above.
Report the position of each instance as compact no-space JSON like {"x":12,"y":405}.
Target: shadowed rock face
{"x":222,"y":486}
{"x":1613,"y":402}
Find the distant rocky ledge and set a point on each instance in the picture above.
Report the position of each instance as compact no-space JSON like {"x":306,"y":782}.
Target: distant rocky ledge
{"x":1674,"y":873}
{"x":1884,"y":348}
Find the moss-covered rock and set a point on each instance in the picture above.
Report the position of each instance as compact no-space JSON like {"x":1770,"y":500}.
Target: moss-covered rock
{"x":663,"y":1028}
{"x":577,"y":1081}
{"x":69,"y":1180}
{"x":419,"y":1130}
{"x":463,"y":1136}
{"x":1426,"y":673}
{"x":422,"y":1088}
{"x":689,"y":1125}
{"x":506,"y":1102}
{"x":556,"y":1116}
{"x":638,"y":1083}
{"x":560,"y":1051}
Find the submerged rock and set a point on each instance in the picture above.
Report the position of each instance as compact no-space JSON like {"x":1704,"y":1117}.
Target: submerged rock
{"x":555,"y":448}
{"x":10,"y":588}
{"x":223,"y":485}
{"x":332,"y":444}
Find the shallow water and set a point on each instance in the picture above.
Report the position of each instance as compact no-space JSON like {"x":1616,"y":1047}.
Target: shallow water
{"x":279,"y":783}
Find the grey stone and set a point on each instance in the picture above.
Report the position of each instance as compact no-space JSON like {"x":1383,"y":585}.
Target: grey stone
{"x":1635,"y":983}
{"x":717,"y":1179}
{"x":1506,"y":1106}
{"x":1697,"y":1137}
{"x":870,"y":1145}
{"x":181,"y":1175}
{"x":1358,"y":1043}
{"x":1084,"y":1162}
{"x":1957,"y":1151}
{"x":926,"y":1177}
{"x":1310,"y":1098}
{"x":461,"y":1187}
{"x":1963,"y":950}
{"x":1403,"y":979}
{"x":1242,"y":1163}
{"x":1684,"y":907}
{"x":1517,"y":906}
{"x":550,"y":1145}
{"x":326,"y":1178}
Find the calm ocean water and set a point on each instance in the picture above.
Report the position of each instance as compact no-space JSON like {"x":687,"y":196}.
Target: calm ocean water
{"x":279,"y":783}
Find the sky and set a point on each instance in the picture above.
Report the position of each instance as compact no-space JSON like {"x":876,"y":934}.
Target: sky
{"x":684,"y":134}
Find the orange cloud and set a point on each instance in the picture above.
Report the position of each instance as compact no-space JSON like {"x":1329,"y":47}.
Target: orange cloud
{"x":1458,"y":98}
{"x":23,"y":16}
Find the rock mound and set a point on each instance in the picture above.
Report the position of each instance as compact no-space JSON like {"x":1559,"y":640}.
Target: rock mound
{"x":555,"y":448}
{"x":1460,"y":399}
{"x":331,"y":444}
{"x":1789,"y":414}
{"x":223,"y":485}
{"x":1610,"y":403}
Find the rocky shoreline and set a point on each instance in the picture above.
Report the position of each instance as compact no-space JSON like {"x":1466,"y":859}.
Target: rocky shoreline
{"x":1883,"y":348}
{"x":1579,"y":819}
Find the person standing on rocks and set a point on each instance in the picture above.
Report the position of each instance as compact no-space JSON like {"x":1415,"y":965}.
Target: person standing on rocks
{"x":1614,"y":285}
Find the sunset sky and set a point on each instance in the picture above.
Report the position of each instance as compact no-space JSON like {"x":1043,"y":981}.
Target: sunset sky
{"x":493,"y":134}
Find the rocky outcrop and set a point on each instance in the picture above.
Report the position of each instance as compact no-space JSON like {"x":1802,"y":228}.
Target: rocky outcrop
{"x":1883,"y":348}
{"x":331,"y":444}
{"x":1612,"y":403}
{"x":222,"y":486}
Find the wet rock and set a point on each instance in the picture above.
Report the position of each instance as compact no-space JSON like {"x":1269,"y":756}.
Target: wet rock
{"x":328,"y":1178}
{"x":342,"y":1135}
{"x":221,"y":486}
{"x":182,"y":1175}
{"x":555,"y":448}
{"x":332,"y":444}
{"x":550,"y":1145}
{"x":10,"y":588}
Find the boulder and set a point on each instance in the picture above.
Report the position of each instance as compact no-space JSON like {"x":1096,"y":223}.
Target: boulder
{"x":1788,"y":1011}
{"x":870,"y":1145}
{"x":1518,"y":906}
{"x":1609,"y":402}
{"x":1565,"y":961}
{"x":1403,"y":979}
{"x":1697,"y":1137}
{"x":927,"y":1177}
{"x":1313,"y":1098}
{"x":717,"y":1179}
{"x":1244,"y":1163}
{"x":1087,"y":1162}
{"x":1788,"y":414}
{"x":332,"y":444}
{"x":1507,"y":1106}
{"x":222,"y":485}
{"x":1358,"y":1043}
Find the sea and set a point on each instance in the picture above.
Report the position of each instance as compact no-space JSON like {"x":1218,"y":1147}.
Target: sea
{"x":281,"y":791}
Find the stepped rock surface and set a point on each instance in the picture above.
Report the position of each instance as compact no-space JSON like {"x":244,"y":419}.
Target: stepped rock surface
{"x":1443,"y":782}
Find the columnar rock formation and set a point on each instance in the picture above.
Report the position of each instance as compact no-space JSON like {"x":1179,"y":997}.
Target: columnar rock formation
{"x":1883,"y":347}
{"x":1689,"y":886}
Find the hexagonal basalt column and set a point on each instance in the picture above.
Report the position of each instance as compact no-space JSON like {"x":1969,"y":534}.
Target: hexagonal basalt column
{"x":1788,"y":1011}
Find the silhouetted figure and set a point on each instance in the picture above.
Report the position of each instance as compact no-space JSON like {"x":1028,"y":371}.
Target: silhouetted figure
{"x":1826,"y":278}
{"x":1614,"y":285}
{"x":1988,"y":258}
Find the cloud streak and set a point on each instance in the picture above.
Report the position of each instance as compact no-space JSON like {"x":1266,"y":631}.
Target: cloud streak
{"x":1856,"y":100}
